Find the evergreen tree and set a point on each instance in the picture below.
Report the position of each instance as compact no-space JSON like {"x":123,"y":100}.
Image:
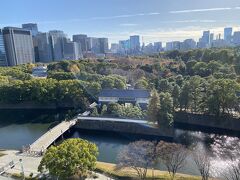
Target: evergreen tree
{"x":153,"y":107}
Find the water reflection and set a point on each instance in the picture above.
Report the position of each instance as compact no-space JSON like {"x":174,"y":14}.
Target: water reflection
{"x":222,"y":150}
{"x":15,"y":132}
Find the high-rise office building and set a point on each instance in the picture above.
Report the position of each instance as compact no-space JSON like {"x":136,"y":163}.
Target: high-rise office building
{"x":57,"y":40}
{"x":228,"y":34}
{"x":103,"y":45}
{"x":204,"y":41}
{"x":169,"y":46}
{"x":236,"y":38}
{"x":34,"y":30}
{"x":135,"y":44}
{"x":114,"y":48}
{"x":176,"y":45}
{"x":31,"y":27}
{"x":211,"y":39}
{"x":124,"y":46}
{"x":3,"y":57}
{"x":72,"y":51}
{"x":148,"y":49}
{"x":157,"y":46}
{"x":93,"y":45}
{"x":206,"y":37}
{"x":82,"y":40}
{"x":188,"y":44}
{"x":44,"y":47}
{"x":19,"y":46}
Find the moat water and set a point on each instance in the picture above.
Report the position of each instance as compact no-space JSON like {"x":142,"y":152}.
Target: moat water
{"x":18,"y":128}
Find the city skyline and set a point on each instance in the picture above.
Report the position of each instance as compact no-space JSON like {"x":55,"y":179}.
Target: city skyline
{"x":153,"y":20}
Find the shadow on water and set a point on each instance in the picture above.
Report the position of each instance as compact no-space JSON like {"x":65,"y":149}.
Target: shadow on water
{"x":23,"y":127}
{"x":220,"y":147}
{"x":8,"y":117}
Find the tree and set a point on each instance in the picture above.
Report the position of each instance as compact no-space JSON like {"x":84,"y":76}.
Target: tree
{"x":166,"y":110}
{"x":172,"y":155}
{"x":201,"y":69}
{"x":190,"y":65}
{"x":139,"y":155}
{"x":61,"y":75}
{"x":195,"y":93}
{"x":141,"y":84}
{"x":73,"y":156}
{"x":175,"y":95}
{"x":203,"y":163}
{"x":107,"y":82}
{"x":129,"y":111}
{"x":232,"y":172}
{"x":185,"y":98}
{"x":95,"y":112}
{"x":153,"y":107}
{"x":164,"y":86}
{"x":214,"y":66}
{"x":222,"y":96}
{"x":104,"y":110}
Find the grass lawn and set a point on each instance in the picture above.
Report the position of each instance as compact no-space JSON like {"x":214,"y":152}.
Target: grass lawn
{"x":110,"y":169}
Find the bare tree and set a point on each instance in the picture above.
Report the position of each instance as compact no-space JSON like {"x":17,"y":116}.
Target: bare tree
{"x":172,"y":155}
{"x":203,"y":162}
{"x":139,"y":156}
{"x":232,"y":172}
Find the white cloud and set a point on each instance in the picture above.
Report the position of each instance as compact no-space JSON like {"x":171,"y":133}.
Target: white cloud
{"x":128,"y":24}
{"x":200,"y":10}
{"x":168,"y":34}
{"x":196,"y":21}
{"x":137,"y":15}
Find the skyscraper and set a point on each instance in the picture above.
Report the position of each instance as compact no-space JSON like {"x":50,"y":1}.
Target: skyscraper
{"x":72,"y":51}
{"x":44,"y":47}
{"x":19,"y":46}
{"x":57,"y":40}
{"x":124,"y":46}
{"x":31,"y":27}
{"x":176,"y":45}
{"x":82,"y":40}
{"x":135,"y":43}
{"x":93,"y":45}
{"x":204,"y":41}
{"x":169,"y":46}
{"x":157,"y":46}
{"x":103,"y":45}
{"x":236,"y":38}
{"x":3,"y":57}
{"x":188,"y":44}
{"x":114,"y":48}
{"x":228,"y":34}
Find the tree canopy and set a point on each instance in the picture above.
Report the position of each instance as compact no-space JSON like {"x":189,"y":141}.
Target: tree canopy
{"x":72,"y":157}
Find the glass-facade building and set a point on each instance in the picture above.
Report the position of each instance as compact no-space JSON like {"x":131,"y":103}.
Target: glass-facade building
{"x":31,"y":27}
{"x":3,"y":57}
{"x":18,"y":45}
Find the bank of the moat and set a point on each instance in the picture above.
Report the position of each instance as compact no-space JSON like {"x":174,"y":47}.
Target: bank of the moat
{"x":15,"y":129}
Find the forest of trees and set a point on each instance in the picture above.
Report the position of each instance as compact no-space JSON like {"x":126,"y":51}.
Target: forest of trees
{"x":197,"y":81}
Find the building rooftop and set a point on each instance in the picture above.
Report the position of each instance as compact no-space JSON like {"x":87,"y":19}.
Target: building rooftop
{"x":123,"y":93}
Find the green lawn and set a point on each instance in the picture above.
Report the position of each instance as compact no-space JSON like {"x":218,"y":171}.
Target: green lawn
{"x":110,"y":169}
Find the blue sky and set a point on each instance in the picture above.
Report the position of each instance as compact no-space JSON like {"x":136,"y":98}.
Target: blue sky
{"x":155,"y":20}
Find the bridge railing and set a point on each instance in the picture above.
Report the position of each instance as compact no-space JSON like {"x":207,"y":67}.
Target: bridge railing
{"x":57,"y":130}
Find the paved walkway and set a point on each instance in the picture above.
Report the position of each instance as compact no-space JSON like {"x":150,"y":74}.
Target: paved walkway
{"x":50,"y":136}
{"x":30,"y":165}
